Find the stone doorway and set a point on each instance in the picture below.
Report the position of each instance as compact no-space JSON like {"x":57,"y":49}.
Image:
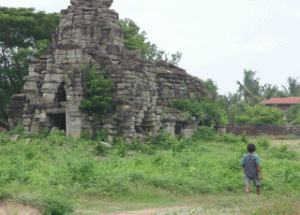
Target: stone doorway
{"x":57,"y":120}
{"x":178,"y":128}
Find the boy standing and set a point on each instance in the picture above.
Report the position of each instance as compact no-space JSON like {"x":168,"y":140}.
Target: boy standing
{"x":251,"y":164}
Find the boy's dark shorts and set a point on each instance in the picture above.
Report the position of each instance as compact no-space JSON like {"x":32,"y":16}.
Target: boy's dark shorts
{"x":255,"y":179}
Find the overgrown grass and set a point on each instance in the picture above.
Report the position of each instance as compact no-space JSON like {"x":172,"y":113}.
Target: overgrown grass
{"x":53,"y":172}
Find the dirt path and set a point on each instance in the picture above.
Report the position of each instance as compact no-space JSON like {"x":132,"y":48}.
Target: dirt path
{"x":13,"y":208}
{"x":148,"y":211}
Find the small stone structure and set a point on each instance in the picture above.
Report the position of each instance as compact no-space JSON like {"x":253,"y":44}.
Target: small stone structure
{"x":89,"y":34}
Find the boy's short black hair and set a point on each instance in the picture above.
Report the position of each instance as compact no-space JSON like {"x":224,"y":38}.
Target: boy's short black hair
{"x":251,"y":147}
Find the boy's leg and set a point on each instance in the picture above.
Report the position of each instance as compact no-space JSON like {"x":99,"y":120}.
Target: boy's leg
{"x":258,"y":190}
{"x":247,"y":191}
{"x":247,"y":186}
{"x":257,"y":185}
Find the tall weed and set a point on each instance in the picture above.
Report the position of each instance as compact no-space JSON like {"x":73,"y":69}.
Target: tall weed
{"x":282,"y":152}
{"x":263,"y":142}
{"x":204,"y":134}
{"x":229,"y":138}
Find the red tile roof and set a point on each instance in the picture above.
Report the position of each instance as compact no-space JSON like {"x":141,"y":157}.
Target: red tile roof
{"x":290,"y":100}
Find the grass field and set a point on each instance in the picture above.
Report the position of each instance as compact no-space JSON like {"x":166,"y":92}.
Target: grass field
{"x":59,"y":175}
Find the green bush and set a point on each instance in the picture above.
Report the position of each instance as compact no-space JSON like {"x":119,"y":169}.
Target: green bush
{"x":244,"y":137}
{"x":263,"y":142}
{"x":282,"y":152}
{"x":293,"y":114}
{"x":261,"y":115}
{"x":296,"y":121}
{"x":56,"y":204}
{"x":204,"y":133}
{"x":17,"y":130}
{"x":58,"y":138}
{"x":99,"y":94}
{"x":229,"y":138}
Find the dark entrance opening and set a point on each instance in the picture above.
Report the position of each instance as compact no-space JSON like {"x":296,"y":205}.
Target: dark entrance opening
{"x":57,"y":120}
{"x":178,"y":127}
{"x":60,"y":96}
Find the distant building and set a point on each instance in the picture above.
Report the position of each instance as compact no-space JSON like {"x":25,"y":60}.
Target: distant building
{"x":282,"y":103}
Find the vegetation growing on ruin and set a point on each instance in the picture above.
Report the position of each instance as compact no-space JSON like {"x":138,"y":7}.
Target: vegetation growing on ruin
{"x":99,"y":94}
{"x":207,"y":111}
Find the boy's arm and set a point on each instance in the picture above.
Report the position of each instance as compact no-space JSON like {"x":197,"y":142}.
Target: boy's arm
{"x":242,"y":162}
{"x":259,"y":171}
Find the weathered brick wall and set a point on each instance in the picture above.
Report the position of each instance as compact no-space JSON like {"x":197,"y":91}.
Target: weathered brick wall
{"x":254,"y":130}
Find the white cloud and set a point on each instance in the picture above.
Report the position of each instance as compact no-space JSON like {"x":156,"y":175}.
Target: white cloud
{"x":263,"y":44}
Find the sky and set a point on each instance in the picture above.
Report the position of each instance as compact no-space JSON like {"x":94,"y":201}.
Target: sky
{"x":218,"y":39}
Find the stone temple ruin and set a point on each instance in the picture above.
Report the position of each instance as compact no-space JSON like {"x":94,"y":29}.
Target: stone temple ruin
{"x":89,"y":34}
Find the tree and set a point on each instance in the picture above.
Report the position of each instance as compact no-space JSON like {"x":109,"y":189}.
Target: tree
{"x":250,"y":88}
{"x":293,"y":87}
{"x":261,"y":115}
{"x":24,"y":35}
{"x":136,"y":40}
{"x":271,"y":91}
{"x":232,"y":105}
{"x":293,"y":113}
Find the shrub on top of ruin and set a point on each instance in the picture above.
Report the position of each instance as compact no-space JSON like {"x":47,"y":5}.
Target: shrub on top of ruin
{"x":206,"y":110}
{"x":99,"y":94}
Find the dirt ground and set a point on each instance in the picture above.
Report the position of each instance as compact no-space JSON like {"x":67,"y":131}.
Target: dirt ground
{"x":148,"y":211}
{"x":13,"y":209}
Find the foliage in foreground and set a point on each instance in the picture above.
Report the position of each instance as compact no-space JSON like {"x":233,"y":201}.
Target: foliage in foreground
{"x":51,"y":171}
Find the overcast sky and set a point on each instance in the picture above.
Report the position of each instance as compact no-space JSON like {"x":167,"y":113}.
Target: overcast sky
{"x":218,"y":39}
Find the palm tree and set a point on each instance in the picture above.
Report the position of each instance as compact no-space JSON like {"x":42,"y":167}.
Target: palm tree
{"x":250,"y":88}
{"x":270,"y":91}
{"x":293,"y":87}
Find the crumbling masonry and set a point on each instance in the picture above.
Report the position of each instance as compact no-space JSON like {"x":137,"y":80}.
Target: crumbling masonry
{"x":89,"y":34}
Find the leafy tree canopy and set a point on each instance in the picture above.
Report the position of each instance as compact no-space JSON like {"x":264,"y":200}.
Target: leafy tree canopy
{"x":24,"y":34}
{"x":136,"y":40}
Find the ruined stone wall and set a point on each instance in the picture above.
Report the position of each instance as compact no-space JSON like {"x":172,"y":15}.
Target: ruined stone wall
{"x":255,"y":130}
{"x":89,"y":34}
